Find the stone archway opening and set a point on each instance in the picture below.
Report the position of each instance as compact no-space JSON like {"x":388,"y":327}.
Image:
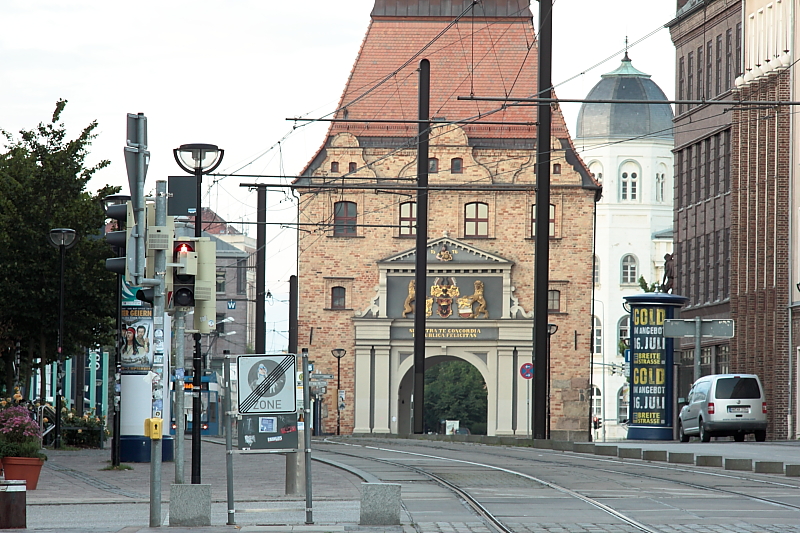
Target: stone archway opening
{"x":454,"y":390}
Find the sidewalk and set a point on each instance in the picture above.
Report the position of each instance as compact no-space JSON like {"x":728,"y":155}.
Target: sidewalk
{"x":75,"y":493}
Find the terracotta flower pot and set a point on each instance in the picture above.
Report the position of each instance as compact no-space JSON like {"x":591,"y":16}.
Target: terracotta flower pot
{"x":23,"y":468}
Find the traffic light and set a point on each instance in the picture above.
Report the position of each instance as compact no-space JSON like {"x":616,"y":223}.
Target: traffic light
{"x":124,"y":241}
{"x":183,"y":278}
{"x":205,"y":295}
{"x":596,"y":422}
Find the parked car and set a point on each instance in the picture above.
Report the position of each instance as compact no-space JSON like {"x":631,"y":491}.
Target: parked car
{"x":724,"y":405}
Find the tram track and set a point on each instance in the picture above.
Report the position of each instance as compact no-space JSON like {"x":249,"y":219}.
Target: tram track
{"x":473,"y":502}
{"x":503,"y":454}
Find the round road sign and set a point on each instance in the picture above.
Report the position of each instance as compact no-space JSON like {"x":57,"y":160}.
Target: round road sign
{"x":526,"y":370}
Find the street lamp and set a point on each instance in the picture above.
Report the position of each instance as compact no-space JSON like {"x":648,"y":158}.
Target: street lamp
{"x":338,"y":353}
{"x":197,"y":159}
{"x":61,"y":238}
{"x":108,"y":201}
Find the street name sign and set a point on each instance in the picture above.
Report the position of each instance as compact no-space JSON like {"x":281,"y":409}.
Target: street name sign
{"x":266,"y":384}
{"x":688,"y":328}
{"x":320,"y":377}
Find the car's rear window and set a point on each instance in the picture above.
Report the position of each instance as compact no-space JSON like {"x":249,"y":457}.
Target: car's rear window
{"x":737,"y":389}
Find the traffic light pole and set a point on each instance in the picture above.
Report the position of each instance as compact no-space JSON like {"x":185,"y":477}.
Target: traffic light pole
{"x":160,"y":267}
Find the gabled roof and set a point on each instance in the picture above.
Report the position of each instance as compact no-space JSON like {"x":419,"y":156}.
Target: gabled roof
{"x":490,"y":51}
{"x":447,"y":251}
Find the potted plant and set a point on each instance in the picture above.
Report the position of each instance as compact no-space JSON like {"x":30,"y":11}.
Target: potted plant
{"x":20,"y":445}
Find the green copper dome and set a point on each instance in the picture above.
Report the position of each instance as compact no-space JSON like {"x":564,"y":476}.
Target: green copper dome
{"x":625,"y":120}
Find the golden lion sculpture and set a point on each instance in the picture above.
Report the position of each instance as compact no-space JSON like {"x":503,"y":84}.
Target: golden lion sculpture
{"x":408,"y":307}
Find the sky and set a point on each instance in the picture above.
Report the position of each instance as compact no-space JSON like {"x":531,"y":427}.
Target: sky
{"x":231,"y":73}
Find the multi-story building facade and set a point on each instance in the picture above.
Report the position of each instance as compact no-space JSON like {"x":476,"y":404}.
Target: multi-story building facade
{"x":764,"y":291}
{"x":708,"y":43}
{"x":628,"y":147}
{"x":356,"y":268}
{"x":736,"y":197}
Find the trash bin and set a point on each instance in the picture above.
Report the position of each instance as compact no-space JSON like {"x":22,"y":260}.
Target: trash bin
{"x":12,"y":504}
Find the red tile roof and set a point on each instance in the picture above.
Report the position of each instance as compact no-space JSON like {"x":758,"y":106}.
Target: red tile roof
{"x":481,"y":56}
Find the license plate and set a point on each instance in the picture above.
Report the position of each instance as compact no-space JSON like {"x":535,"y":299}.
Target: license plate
{"x":738,"y":409}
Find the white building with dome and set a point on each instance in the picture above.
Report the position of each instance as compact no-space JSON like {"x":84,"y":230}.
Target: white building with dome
{"x":628,"y":148}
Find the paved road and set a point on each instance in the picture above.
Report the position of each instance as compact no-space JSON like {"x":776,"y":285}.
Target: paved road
{"x":76,"y":494}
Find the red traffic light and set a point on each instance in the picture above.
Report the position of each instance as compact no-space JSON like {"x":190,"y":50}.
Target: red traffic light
{"x":183,"y":247}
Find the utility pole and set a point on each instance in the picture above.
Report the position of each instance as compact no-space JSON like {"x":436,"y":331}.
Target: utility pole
{"x":421,"y":267}
{"x":541,"y":280}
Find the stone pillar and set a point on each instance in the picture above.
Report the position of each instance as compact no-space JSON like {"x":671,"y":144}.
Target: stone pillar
{"x":382,"y":391}
{"x":363,"y":389}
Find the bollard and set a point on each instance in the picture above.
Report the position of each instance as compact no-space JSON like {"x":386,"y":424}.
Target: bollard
{"x":13,"y":504}
{"x":380,"y":504}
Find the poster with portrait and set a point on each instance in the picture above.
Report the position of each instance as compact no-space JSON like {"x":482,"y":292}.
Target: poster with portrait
{"x":136,"y":340}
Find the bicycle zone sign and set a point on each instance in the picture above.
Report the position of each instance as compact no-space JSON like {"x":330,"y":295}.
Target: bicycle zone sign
{"x":266,"y":384}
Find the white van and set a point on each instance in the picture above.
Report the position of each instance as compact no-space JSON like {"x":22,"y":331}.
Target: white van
{"x":724,"y":405}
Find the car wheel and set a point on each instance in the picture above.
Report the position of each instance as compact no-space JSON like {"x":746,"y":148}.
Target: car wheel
{"x":739,"y":437}
{"x":681,"y":435}
{"x":705,"y":436}
{"x":761,"y":436}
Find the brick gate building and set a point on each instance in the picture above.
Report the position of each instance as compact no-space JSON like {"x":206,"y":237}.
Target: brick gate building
{"x":358,"y":225}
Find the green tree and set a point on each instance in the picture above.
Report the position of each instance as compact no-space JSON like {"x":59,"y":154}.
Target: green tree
{"x":455,"y":390}
{"x":43,"y":177}
{"x":653,"y":287}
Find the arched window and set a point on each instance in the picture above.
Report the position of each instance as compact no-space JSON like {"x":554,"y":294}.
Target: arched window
{"x":408,"y":219}
{"x":456,"y":165}
{"x":629,"y":182}
{"x":624,"y":330}
{"x":596,"y":275}
{"x":338,"y":298}
{"x":352,"y":167}
{"x":622,"y":404}
{"x":629,"y":269}
{"x":659,"y":187}
{"x":476,"y":219}
{"x":433,"y":165}
{"x":596,"y":170}
{"x":344,"y":219}
{"x":597,"y":333}
{"x":551,"y":226}
{"x":334,"y":167}
{"x":554,"y":301}
{"x":597,"y":402}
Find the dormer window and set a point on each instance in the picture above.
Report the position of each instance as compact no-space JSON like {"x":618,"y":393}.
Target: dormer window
{"x":334,"y":167}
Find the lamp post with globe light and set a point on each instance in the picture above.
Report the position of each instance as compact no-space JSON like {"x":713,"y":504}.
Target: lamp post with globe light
{"x":61,"y":238}
{"x":338,"y":353}
{"x":197,"y":159}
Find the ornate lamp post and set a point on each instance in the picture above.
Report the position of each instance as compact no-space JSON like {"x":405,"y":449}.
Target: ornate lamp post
{"x":197,"y":159}
{"x":338,"y":353}
{"x":61,"y":238}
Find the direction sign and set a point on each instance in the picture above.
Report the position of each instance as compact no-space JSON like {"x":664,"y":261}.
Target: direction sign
{"x":320,"y":376}
{"x":526,"y":370}
{"x":266,"y":384}
{"x":688,"y":328}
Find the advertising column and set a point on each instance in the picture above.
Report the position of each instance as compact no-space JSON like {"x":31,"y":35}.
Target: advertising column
{"x":650,"y":407}
{"x":144,"y":347}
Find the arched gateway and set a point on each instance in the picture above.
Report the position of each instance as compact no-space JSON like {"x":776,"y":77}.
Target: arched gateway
{"x":472,"y":315}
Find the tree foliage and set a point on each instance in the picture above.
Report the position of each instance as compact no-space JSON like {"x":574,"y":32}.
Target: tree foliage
{"x":43,"y":179}
{"x":455,"y":390}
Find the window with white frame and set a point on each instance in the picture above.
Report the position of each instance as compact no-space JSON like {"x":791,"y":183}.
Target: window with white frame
{"x":624,"y":330}
{"x":629,"y":269}
{"x":597,"y":334}
{"x":596,"y":275}
{"x":622,"y":404}
{"x":629,"y":182}
{"x":597,"y":402}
